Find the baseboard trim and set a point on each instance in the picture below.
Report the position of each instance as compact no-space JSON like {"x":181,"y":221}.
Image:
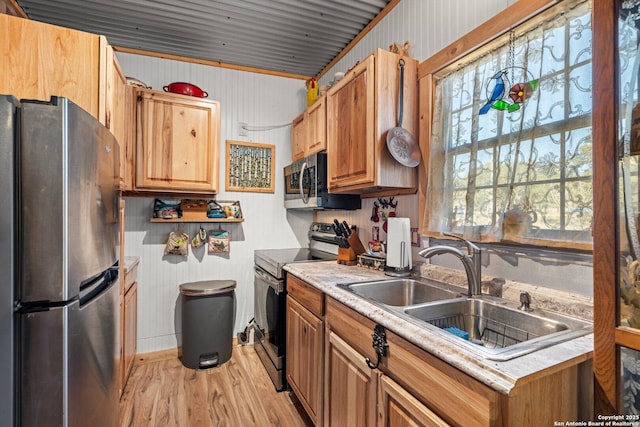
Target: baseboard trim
{"x":169,"y":353}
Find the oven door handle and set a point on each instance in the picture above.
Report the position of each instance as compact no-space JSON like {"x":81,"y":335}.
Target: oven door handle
{"x":277,"y":285}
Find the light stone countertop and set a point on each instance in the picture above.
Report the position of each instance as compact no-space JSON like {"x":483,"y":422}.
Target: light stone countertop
{"x":130,"y":262}
{"x":499,"y":375}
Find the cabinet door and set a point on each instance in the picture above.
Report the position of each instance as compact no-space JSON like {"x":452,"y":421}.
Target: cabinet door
{"x":130,"y":329}
{"x":350,"y":128}
{"x":350,"y":386}
{"x":177,"y":143}
{"x":398,"y":408}
{"x":39,"y":60}
{"x":305,"y":357}
{"x":298,"y":137}
{"x":317,"y":127}
{"x":117,"y":115}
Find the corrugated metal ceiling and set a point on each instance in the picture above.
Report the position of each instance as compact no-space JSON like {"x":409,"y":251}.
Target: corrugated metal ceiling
{"x":298,"y":37}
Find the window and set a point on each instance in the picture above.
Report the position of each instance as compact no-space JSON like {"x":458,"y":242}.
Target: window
{"x":517,"y":166}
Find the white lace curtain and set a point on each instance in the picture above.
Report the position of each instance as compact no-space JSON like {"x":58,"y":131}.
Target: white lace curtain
{"x":522,"y":173}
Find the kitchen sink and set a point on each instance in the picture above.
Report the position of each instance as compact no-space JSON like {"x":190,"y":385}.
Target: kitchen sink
{"x":401,"y":292}
{"x":493,"y":330}
{"x":486,"y":326}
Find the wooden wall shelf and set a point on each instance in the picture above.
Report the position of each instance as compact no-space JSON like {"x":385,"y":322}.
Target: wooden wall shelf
{"x":196,"y":211}
{"x":203,"y":220}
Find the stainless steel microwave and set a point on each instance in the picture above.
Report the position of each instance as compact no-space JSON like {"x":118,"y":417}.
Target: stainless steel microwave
{"x":306,"y":186}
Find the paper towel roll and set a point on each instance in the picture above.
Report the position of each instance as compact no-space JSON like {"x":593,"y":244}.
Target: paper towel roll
{"x":399,"y":235}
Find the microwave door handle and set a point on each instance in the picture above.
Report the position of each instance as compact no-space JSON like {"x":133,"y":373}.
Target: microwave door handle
{"x":305,"y":197}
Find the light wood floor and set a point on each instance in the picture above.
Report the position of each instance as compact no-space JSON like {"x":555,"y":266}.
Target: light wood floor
{"x":162,"y":392}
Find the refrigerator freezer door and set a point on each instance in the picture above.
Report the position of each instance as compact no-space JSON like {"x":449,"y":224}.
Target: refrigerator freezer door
{"x":68,"y":185}
{"x":94,"y":358}
{"x":69,"y":358}
{"x":42,"y":362}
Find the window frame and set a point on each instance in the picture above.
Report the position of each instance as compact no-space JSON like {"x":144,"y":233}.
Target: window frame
{"x":485,"y":37}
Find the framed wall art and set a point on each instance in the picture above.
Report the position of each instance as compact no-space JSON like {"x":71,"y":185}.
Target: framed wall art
{"x":250,"y":166}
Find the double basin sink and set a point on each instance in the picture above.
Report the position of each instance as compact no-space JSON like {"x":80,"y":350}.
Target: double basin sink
{"x":483,"y":325}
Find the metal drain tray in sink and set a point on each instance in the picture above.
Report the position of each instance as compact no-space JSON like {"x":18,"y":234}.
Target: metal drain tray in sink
{"x":496,"y":331}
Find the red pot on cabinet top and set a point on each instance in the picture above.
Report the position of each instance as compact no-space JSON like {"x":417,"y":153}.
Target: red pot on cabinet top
{"x":185,"y":89}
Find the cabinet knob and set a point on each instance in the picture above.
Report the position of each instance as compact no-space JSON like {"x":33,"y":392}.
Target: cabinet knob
{"x":193,"y":133}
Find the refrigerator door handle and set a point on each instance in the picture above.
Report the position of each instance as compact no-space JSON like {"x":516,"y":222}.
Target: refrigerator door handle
{"x":94,"y":287}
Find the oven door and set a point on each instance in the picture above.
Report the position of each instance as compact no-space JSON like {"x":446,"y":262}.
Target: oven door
{"x":270,"y":323}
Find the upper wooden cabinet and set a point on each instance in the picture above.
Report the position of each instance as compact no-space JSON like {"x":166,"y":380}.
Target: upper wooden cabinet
{"x":177,"y":143}
{"x":317,"y":126}
{"x":309,"y":131}
{"x":361,"y":108}
{"x":117,"y":112}
{"x":298,"y":136}
{"x":38,"y":61}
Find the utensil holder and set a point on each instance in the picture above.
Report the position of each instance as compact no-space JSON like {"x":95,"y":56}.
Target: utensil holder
{"x":349,"y":256}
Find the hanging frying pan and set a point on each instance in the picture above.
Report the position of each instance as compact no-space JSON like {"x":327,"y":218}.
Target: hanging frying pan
{"x":401,"y":144}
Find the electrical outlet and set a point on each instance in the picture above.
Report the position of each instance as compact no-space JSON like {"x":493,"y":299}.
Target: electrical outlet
{"x":242,"y":129}
{"x":243,"y":337}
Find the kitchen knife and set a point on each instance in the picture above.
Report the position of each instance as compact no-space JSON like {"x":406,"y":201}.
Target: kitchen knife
{"x":338,"y":228}
{"x":346,"y":228}
{"x":343,"y":242}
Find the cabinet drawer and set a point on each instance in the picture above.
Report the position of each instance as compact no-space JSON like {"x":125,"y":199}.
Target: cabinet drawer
{"x":311,"y":298}
{"x":130,"y":278}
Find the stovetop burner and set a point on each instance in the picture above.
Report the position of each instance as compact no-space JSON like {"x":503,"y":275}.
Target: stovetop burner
{"x":272,"y":260}
{"x":322,"y":248}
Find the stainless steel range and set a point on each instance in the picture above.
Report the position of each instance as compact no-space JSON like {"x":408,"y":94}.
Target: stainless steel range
{"x":270,"y":296}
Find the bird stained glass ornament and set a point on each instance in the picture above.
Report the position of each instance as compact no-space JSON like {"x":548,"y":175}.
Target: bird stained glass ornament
{"x":503,"y":95}
{"x":520,"y":84}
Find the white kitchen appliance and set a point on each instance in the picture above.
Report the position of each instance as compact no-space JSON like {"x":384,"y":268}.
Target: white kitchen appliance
{"x":398,"y":247}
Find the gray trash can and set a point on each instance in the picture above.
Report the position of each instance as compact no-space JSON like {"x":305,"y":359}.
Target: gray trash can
{"x":208,"y":316}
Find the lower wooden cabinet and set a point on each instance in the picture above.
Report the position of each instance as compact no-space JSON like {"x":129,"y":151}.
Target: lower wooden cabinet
{"x":350,"y":386}
{"x":128,"y":324}
{"x":399,"y":408}
{"x":129,"y":330}
{"x":410,"y":386}
{"x":304,"y":357}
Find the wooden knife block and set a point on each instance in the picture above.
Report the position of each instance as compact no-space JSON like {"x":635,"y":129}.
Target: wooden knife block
{"x":349,"y":256}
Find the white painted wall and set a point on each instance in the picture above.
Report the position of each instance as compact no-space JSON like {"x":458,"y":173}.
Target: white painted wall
{"x":261,"y":100}
{"x":429,"y":26}
{"x":258,"y":100}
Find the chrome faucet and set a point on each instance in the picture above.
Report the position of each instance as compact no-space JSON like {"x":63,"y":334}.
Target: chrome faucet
{"x":470,"y":261}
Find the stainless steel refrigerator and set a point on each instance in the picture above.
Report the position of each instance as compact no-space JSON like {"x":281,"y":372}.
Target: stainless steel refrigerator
{"x":59,"y":296}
